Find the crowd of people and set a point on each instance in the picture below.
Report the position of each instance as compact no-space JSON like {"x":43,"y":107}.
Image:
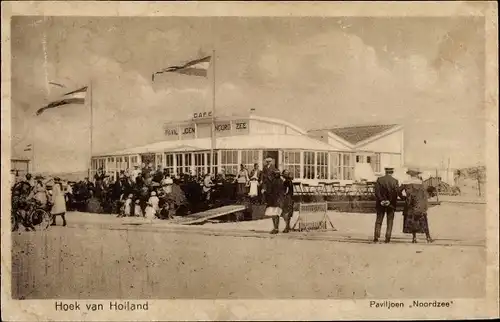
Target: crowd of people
{"x":149,"y":193}
{"x":30,"y":193}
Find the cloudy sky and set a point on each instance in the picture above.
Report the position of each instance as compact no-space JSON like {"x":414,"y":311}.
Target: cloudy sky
{"x":424,"y":73}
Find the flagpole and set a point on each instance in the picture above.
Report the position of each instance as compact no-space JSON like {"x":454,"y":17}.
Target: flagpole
{"x":212,"y":146}
{"x":33,"y":151}
{"x":91,"y":128}
{"x":33,"y":148}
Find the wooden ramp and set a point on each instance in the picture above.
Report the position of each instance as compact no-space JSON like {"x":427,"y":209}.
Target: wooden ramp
{"x":200,"y":217}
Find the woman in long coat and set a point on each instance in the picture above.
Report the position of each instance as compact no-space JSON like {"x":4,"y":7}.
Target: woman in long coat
{"x":415,"y":196}
{"x":58,"y":202}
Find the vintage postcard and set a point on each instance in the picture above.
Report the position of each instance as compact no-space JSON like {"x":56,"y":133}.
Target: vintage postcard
{"x":249,"y":161}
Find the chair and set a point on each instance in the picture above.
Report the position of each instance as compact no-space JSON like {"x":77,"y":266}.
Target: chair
{"x":298,"y":191}
{"x":328,"y":189}
{"x":307,"y":194}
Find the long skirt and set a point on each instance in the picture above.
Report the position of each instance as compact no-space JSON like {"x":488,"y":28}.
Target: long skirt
{"x":415,"y":223}
{"x":288,"y":207}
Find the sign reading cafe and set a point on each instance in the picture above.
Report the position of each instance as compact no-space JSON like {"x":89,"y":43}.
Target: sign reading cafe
{"x":202,"y":115}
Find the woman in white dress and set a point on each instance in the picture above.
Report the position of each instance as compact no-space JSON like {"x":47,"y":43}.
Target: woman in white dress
{"x":58,"y":201}
{"x":254,"y":181}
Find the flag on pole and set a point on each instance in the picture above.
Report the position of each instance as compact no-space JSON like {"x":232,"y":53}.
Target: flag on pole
{"x":73,"y":97}
{"x":28,"y":147}
{"x":197,"y":67}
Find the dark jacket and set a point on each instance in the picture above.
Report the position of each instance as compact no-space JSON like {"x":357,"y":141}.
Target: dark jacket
{"x":386,"y":188}
{"x":267,"y":176}
{"x":158,"y":176}
{"x":416,"y":198}
{"x":275,"y":192}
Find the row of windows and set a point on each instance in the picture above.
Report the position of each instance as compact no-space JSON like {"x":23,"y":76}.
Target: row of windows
{"x":314,"y":165}
{"x":317,"y":166}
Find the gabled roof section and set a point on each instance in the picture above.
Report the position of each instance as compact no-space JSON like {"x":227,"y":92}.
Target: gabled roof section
{"x":357,"y":134}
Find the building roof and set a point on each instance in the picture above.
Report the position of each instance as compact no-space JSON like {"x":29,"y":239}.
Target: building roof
{"x":357,"y":134}
{"x":264,"y":141}
{"x":236,"y":116}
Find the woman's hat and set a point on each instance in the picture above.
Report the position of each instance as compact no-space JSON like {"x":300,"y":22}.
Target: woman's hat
{"x":130,"y":195}
{"x":153,"y":193}
{"x":413,"y":171}
{"x":57,"y":179}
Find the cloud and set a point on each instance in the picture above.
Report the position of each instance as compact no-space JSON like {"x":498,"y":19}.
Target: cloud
{"x":315,"y":80}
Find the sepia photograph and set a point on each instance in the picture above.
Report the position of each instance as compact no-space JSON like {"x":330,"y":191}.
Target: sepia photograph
{"x":260,"y":157}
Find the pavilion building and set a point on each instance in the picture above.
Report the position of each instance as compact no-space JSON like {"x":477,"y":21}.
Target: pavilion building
{"x":321,"y":154}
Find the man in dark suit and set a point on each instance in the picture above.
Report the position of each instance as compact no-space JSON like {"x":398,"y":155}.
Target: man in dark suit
{"x":386,"y":195}
{"x":267,"y":175}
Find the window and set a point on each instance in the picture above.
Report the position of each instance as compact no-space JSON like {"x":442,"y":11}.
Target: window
{"x":229,"y":161}
{"x":335,"y":166}
{"x":179,"y":160}
{"x":133,"y":160}
{"x":199,"y":163}
{"x":322,"y":165}
{"x":159,"y":160}
{"x":188,"y":162}
{"x":376,"y":162}
{"x":309,"y":165}
{"x":249,"y":158}
{"x":360,"y":158}
{"x":347,"y":166}
{"x":215,"y":163}
{"x":101,"y":163}
{"x":126,"y":163}
{"x":291,"y":163}
{"x":169,"y":163}
{"x":118,"y":163}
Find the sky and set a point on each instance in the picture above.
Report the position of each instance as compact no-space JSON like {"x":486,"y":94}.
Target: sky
{"x":426,"y":73}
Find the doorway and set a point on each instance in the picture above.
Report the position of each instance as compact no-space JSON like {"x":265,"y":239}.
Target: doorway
{"x":148,"y":159}
{"x":274,"y":154}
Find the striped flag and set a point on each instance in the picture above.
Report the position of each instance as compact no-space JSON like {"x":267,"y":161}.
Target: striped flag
{"x":74,"y":97}
{"x":28,"y":147}
{"x":197,"y":67}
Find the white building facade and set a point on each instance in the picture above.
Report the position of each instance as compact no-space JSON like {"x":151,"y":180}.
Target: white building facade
{"x":325,"y":155}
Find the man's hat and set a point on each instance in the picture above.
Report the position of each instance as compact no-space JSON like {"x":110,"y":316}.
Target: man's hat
{"x":388,"y":169}
{"x":57,"y":179}
{"x":268,"y":159}
{"x":413,"y":171}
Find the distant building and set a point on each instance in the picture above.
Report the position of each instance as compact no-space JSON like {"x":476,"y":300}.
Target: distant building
{"x":20,"y":166}
{"x":325,"y":155}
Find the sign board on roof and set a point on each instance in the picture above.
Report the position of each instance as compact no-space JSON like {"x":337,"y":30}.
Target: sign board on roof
{"x":202,"y":115}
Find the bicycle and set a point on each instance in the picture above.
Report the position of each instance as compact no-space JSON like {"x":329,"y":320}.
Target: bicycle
{"x":32,"y":215}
